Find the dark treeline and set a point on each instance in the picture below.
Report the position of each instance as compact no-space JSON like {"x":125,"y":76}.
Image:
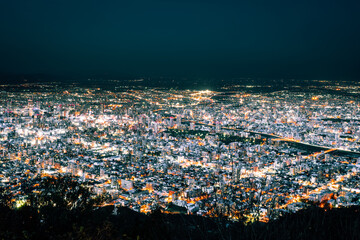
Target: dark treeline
{"x":71,"y":214}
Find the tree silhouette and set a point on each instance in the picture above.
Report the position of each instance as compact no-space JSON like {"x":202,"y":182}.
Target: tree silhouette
{"x":5,"y":197}
{"x":63,"y":192}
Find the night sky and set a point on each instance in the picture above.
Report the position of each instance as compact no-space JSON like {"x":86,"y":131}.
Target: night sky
{"x":220,"y":39}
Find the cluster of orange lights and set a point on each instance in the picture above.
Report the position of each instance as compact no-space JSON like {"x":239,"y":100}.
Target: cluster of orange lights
{"x":314,"y":98}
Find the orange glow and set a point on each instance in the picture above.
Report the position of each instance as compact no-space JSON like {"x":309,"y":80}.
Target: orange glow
{"x":314,"y":98}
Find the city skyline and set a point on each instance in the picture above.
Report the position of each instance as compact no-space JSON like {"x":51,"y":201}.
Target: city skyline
{"x":242,"y":153}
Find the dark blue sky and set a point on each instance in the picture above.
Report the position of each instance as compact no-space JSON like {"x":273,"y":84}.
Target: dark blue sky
{"x":310,"y":39}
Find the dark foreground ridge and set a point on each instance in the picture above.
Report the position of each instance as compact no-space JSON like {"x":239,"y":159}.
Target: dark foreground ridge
{"x":312,"y":223}
{"x":62,"y":208}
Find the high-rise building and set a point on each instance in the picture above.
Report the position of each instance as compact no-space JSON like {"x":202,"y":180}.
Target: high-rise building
{"x":217,"y":128}
{"x":155,"y":127}
{"x":171,"y":122}
{"x":178,"y":120}
{"x":30,"y":107}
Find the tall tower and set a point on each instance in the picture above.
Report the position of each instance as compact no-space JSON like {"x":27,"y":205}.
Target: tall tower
{"x":102,"y":108}
{"x":217,"y":128}
{"x":30,"y":107}
{"x":178,"y":120}
{"x":171,"y":123}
